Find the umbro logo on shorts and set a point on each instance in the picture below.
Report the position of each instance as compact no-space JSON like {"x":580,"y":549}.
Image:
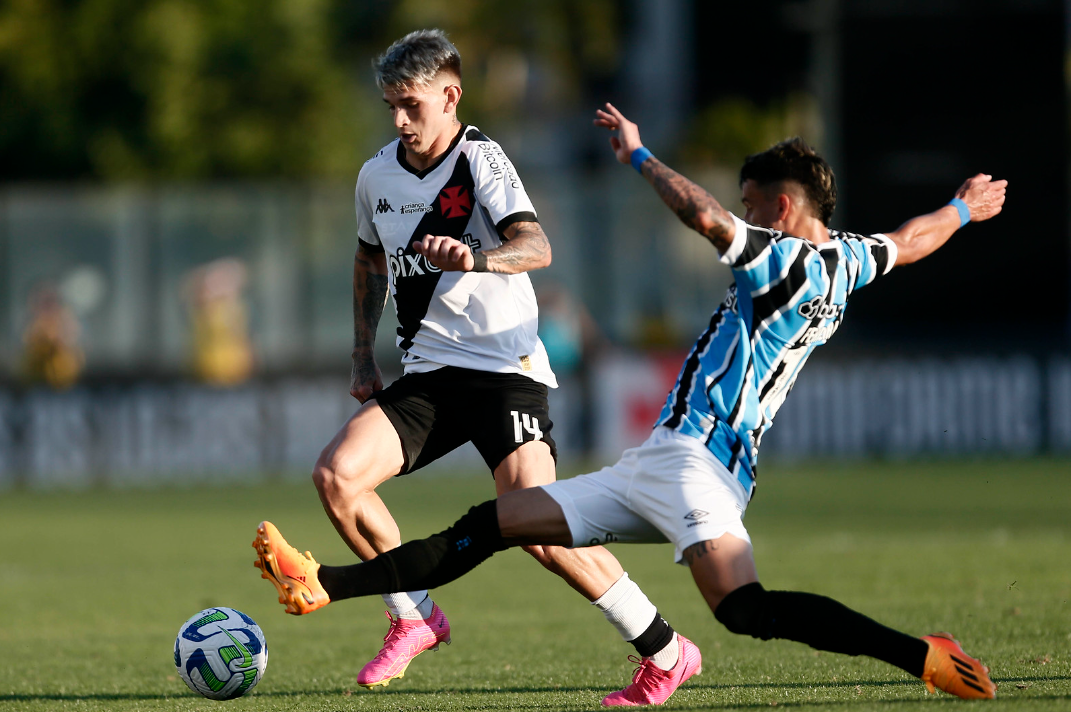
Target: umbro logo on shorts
{"x":696,"y":514}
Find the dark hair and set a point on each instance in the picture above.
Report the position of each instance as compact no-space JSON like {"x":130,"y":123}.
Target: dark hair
{"x":416,"y":59}
{"x":793,"y":160}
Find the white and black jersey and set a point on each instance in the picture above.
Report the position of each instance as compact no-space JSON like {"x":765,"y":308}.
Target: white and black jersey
{"x":475,"y":320}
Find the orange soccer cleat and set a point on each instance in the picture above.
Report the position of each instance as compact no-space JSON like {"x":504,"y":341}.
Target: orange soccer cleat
{"x":292,"y":574}
{"x":955,"y":672}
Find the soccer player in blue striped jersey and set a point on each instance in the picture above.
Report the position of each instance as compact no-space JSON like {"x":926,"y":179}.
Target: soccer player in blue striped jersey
{"x":788,"y":299}
{"x":691,"y":481}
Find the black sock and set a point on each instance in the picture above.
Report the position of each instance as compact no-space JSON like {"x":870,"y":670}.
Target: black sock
{"x":820,"y":622}
{"x":656,"y":637}
{"x":424,"y":563}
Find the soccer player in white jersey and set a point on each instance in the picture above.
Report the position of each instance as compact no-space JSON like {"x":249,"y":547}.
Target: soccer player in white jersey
{"x":443,"y":221}
{"x":691,"y":481}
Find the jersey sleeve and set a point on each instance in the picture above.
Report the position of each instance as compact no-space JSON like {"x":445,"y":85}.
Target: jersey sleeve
{"x":761,"y":258}
{"x":871,"y":257}
{"x":366,"y":228}
{"x":498,"y":187}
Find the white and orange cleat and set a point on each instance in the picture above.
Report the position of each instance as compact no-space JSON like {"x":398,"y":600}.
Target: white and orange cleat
{"x":405,"y":640}
{"x":292,"y":574}
{"x":949,"y":668}
{"x":651,"y":685}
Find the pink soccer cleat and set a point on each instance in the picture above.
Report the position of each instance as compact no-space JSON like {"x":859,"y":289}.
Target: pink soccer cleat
{"x":405,"y":640}
{"x":653,"y":686}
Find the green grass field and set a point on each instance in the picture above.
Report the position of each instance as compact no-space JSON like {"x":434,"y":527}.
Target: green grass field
{"x":95,"y":585}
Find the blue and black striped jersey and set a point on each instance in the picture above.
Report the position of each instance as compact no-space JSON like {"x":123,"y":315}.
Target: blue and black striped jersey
{"x":788,"y":298}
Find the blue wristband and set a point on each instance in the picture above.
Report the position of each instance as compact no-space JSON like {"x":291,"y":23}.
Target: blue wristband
{"x":640,"y":155}
{"x":964,"y":211}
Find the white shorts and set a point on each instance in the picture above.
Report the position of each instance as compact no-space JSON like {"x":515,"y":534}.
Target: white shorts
{"x":671,"y":488}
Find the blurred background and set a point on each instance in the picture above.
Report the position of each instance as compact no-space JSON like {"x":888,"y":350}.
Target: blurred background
{"x":177,"y":227}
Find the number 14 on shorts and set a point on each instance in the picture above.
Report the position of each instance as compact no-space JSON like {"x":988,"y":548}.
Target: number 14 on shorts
{"x":528,"y":423}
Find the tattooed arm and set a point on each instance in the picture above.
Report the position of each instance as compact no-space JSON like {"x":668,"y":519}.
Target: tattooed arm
{"x":369,"y":297}
{"x":694,"y":206}
{"x":526,"y":249}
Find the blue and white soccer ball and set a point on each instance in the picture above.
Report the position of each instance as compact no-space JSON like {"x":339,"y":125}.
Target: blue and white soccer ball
{"x":221,"y":653}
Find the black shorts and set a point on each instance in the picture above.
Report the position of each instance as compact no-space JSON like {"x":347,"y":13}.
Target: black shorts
{"x":439,"y":411}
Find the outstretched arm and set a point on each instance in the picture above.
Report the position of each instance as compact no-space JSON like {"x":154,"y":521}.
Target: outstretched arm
{"x":923,"y":235}
{"x":526,"y":248}
{"x":693,"y":205}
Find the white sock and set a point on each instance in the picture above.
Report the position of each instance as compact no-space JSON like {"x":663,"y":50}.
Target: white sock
{"x":406,"y":605}
{"x":626,"y":607}
{"x":425,"y":607}
{"x":666,"y":658}
{"x":630,"y":611}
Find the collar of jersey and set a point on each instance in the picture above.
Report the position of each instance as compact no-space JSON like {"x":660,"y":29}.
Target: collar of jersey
{"x":421,"y":174}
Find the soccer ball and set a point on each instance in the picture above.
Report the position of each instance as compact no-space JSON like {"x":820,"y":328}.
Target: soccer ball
{"x":221,"y":653}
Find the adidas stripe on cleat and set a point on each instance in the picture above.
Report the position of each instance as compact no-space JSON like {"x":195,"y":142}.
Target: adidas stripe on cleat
{"x":949,"y":668}
{"x":292,"y":573}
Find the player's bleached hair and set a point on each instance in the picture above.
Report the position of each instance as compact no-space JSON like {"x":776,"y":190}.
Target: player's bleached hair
{"x":794,"y":160}
{"x":416,"y":59}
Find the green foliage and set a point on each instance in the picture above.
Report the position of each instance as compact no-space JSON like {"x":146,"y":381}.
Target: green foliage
{"x":126,"y":89}
{"x":195,"y":89}
{"x":535,"y":66}
{"x":97,"y":584}
{"x":728,"y":130}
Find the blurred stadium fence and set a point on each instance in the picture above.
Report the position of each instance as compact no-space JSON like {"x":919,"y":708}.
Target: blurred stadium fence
{"x":183,"y":433}
{"x":123,"y":259}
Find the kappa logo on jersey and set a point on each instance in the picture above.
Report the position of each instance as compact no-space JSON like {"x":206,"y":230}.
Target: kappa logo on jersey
{"x":405,"y":265}
{"x":455,"y":202}
{"x":383,"y":207}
